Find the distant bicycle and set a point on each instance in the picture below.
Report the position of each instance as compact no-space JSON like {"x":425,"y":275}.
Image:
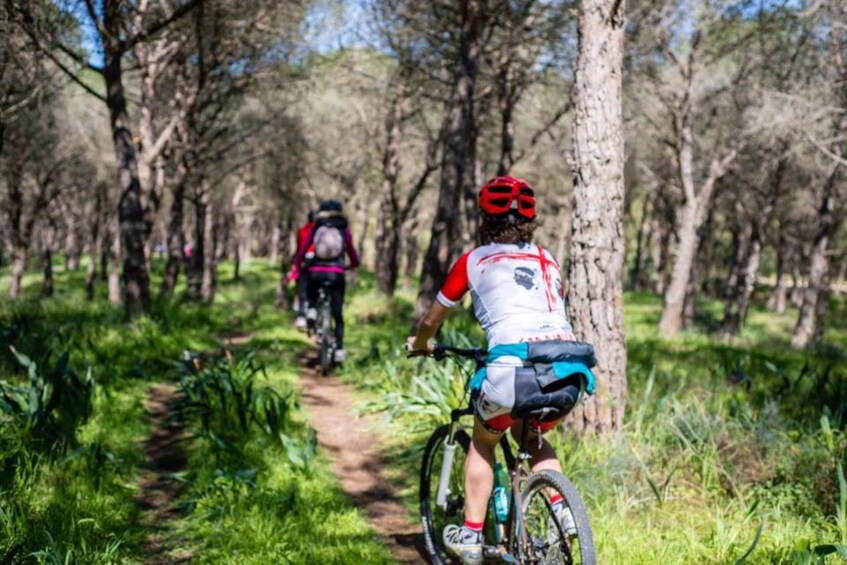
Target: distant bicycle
{"x":526,"y":530}
{"x":323,"y":327}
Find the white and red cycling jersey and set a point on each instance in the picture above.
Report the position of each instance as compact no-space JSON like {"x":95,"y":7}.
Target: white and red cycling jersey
{"x":516,"y":291}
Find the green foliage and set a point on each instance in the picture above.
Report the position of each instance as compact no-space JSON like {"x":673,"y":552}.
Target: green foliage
{"x":222,"y":397}
{"x":51,"y":406}
{"x":805,"y":553}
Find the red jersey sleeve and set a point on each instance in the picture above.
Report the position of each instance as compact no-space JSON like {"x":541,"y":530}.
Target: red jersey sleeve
{"x":456,"y":284}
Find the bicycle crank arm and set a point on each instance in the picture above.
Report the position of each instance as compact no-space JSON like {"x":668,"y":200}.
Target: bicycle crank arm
{"x":498,"y":552}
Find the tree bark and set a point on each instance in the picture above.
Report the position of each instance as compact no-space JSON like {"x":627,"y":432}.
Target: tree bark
{"x":72,"y":248}
{"x":387,"y":231}
{"x":48,"y":235}
{"x":176,"y":239}
{"x":195,"y":267}
{"x":412,"y":251}
{"x":19,"y":240}
{"x":690,"y":221}
{"x":784,"y":255}
{"x":114,"y":271}
{"x":457,"y":162}
{"x":19,"y":256}
{"x":93,"y":250}
{"x":816,"y":287}
{"x":595,"y":274}
{"x":131,"y":214}
{"x":210,"y":259}
{"x":638,"y":272}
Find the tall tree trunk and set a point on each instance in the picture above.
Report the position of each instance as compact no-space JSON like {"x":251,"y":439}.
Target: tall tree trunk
{"x":742,"y":235}
{"x":276,"y":241}
{"x":48,"y":235}
{"x":749,"y":277}
{"x":94,"y":244}
{"x":114,"y":270}
{"x":505,"y":103}
{"x":663,"y":257}
{"x":412,"y":251}
{"x":19,"y":242}
{"x":362,"y":229}
{"x":643,"y":240}
{"x":288,"y":242}
{"x":784,"y":253}
{"x":176,"y":238}
{"x":210,"y":252}
{"x":387,"y":231}
{"x":72,"y":248}
{"x":595,"y":293}
{"x":457,"y":162}
{"x":19,"y":257}
{"x":195,"y":268}
{"x":797,"y":288}
{"x":689,"y":224}
{"x":821,"y":308}
{"x":93,"y":255}
{"x":131,"y":213}
{"x":818,"y":264}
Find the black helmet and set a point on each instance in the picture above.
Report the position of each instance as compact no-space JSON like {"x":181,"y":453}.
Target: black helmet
{"x":311,"y":215}
{"x":330,"y":206}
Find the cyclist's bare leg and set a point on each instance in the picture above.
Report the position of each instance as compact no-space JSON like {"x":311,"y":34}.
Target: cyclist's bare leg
{"x":479,"y":472}
{"x":543,"y":458}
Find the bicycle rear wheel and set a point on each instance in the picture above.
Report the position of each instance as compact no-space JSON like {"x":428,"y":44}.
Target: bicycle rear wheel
{"x":549,"y":542}
{"x":435,"y":517}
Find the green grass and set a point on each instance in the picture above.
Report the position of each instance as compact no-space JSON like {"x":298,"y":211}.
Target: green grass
{"x":701,"y":464}
{"x":254,"y":504}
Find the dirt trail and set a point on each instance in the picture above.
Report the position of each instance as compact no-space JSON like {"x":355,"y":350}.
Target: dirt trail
{"x":353,"y":444}
{"x":157,"y":490}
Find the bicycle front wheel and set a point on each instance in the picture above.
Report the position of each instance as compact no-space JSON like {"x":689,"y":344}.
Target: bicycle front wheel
{"x":326,"y":341}
{"x":434,"y":516}
{"x":553,"y":539}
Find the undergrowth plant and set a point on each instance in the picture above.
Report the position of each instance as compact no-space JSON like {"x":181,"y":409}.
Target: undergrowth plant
{"x":223,"y":398}
{"x":50,"y":407}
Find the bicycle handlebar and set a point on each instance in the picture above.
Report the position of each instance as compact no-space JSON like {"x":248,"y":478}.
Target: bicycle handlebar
{"x":441,"y":351}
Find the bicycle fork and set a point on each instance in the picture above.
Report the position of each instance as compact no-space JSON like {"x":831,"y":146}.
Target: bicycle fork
{"x":446,"y":468}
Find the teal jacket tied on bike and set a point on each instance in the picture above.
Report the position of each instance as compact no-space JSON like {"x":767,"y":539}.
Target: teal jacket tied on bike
{"x":558,"y":359}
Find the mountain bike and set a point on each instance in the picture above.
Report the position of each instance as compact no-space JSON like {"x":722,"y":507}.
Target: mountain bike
{"x":324,"y":328}
{"x":530,"y":532}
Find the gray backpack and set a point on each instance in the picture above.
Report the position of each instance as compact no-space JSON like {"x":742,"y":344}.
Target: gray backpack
{"x":329,"y":243}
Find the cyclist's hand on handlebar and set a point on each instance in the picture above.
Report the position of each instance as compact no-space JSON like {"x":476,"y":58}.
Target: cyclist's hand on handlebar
{"x":414,"y":349}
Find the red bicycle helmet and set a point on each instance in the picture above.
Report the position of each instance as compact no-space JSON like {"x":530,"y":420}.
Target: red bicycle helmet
{"x":502,"y":195}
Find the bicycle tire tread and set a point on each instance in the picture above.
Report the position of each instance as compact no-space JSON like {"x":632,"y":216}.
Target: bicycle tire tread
{"x":572,"y":498}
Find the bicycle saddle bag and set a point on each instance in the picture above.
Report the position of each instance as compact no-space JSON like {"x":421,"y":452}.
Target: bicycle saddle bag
{"x":538,"y":387}
{"x":541,"y":381}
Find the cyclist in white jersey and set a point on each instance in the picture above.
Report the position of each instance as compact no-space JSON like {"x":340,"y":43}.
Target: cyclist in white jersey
{"x":517,"y":293}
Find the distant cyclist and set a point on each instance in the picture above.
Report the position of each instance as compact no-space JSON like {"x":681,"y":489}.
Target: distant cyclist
{"x":302,"y":280}
{"x":516,"y":287}
{"x":330,"y":236}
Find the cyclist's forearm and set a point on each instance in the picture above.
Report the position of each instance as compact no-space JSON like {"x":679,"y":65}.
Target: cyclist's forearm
{"x":429,"y":325}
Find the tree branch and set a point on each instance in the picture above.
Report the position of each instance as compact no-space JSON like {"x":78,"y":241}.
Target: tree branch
{"x":177,"y":14}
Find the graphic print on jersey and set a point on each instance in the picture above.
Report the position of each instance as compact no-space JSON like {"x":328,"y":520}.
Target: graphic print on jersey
{"x":544,"y":262}
{"x":525,"y":277}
